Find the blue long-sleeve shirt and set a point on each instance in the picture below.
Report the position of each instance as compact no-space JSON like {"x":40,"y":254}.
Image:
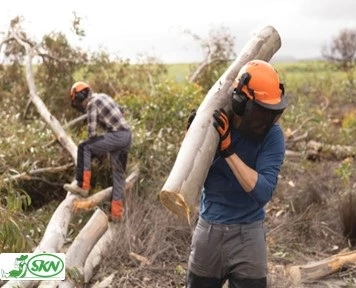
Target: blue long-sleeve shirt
{"x":223,"y":199}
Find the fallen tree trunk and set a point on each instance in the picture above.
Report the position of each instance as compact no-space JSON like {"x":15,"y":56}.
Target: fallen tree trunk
{"x":78,"y":252}
{"x":316,"y":150}
{"x":182,"y":188}
{"x":52,"y":121}
{"x":100,"y":250}
{"x":320,"y":269}
{"x":82,"y":246}
{"x":53,"y":238}
{"x":56,"y":231}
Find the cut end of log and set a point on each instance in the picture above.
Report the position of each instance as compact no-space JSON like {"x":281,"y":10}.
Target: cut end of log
{"x":175,"y":203}
{"x":83,"y":205}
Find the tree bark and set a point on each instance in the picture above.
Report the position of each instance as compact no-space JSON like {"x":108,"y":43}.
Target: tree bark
{"x":320,"y":269}
{"x":316,"y":150}
{"x":53,"y":238}
{"x":28,"y":175}
{"x":100,"y":250}
{"x":83,"y":244}
{"x":105,"y":195}
{"x":182,"y":188}
{"x":65,"y":140}
{"x":79,"y":251}
{"x":56,"y":230}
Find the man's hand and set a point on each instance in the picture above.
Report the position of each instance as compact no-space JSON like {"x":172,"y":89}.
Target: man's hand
{"x":222,"y":125}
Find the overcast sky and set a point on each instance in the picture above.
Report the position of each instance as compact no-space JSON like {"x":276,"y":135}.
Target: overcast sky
{"x":156,"y":27}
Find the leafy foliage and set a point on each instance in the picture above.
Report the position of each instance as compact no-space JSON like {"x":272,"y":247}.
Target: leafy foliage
{"x":158,"y":123}
{"x":54,"y":75}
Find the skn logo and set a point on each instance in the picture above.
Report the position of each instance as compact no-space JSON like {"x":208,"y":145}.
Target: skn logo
{"x":32,"y":266}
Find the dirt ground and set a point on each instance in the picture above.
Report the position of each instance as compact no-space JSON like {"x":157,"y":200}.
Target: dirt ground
{"x":304,"y":221}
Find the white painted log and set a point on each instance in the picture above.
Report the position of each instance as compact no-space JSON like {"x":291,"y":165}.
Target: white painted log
{"x":20,"y":284}
{"x":49,"y":284}
{"x":181,"y":190}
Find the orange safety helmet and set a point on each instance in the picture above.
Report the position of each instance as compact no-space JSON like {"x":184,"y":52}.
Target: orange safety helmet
{"x":78,"y":87}
{"x":259,"y":81}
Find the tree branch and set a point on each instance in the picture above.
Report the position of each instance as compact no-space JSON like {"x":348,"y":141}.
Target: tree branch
{"x":65,"y":140}
{"x":27,"y":175}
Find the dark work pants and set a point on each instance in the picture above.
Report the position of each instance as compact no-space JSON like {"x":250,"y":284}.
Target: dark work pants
{"x":115,"y":143}
{"x":234,"y":253}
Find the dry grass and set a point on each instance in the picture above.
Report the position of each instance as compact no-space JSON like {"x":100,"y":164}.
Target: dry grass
{"x":161,"y":239}
{"x":305,"y":221}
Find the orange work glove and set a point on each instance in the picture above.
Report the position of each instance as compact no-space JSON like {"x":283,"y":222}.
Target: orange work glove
{"x":222,"y":125}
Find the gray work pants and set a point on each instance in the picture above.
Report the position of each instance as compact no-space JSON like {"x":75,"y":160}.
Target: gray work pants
{"x":237,"y":253}
{"x":118,"y":145}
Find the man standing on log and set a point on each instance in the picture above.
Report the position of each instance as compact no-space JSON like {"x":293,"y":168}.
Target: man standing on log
{"x":102,"y":110}
{"x":229,"y":240}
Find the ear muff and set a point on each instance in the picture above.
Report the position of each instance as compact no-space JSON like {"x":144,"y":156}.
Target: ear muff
{"x":239,"y":102}
{"x":80,"y":96}
{"x":239,"y":98}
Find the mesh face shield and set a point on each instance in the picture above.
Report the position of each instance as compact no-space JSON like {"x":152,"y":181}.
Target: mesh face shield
{"x":257,"y":121}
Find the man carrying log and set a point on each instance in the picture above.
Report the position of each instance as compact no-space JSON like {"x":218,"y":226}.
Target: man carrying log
{"x":101,"y":110}
{"x":229,"y":240}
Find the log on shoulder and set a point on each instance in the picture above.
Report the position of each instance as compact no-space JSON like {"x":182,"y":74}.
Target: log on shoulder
{"x":182,"y":188}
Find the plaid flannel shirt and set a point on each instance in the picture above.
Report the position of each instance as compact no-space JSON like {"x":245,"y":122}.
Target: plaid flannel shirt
{"x":103,"y":110}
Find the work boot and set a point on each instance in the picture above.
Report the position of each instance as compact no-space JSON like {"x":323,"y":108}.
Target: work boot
{"x":117,"y":210}
{"x":75,"y":189}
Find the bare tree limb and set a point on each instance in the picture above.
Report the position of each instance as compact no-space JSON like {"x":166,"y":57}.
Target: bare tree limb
{"x":27,"y":175}
{"x":322,"y":268}
{"x":75,"y":121}
{"x":201,"y":67}
{"x":65,"y":140}
{"x":317,"y":150}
